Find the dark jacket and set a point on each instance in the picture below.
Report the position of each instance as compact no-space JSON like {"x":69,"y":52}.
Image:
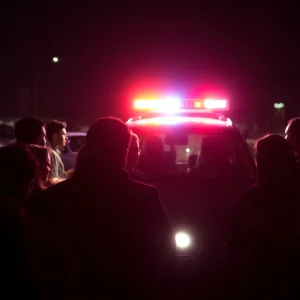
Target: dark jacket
{"x":265,"y":241}
{"x":16,"y":278}
{"x":105,"y":236}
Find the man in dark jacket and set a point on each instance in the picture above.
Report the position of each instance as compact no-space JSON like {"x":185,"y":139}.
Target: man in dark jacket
{"x":18,"y":169}
{"x":102,"y":234}
{"x":30,"y":131}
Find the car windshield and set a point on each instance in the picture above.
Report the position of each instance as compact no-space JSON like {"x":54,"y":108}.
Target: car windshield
{"x":209,"y":152}
{"x":76,"y":142}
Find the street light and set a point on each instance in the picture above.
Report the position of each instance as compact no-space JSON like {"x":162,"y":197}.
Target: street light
{"x":55,"y":59}
{"x":279,"y":105}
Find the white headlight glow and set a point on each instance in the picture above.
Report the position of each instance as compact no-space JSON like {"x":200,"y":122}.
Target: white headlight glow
{"x":182,"y":239}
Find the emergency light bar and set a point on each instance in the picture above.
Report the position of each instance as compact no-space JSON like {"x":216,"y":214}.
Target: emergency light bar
{"x":170,"y":105}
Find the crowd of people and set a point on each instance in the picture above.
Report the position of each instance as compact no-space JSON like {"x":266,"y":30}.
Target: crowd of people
{"x":99,"y":232}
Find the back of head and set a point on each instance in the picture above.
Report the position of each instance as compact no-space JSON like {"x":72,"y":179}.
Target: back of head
{"x":18,"y":170}
{"x":294,"y":127}
{"x":274,"y":158}
{"x":53,"y":127}
{"x":214,"y":150}
{"x":155,"y":147}
{"x":107,"y":142}
{"x":28,"y":130}
{"x":293,"y":134}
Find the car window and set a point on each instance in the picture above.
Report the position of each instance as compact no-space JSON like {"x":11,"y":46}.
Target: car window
{"x":76,"y":142}
{"x":207,"y":152}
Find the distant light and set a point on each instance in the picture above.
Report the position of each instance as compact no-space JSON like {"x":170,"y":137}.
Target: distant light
{"x":182,"y":239}
{"x":187,"y":150}
{"x":198,"y":104}
{"x":55,"y":59}
{"x":278,"y":105}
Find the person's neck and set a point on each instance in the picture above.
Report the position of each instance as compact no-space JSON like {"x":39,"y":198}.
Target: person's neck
{"x":54,"y":146}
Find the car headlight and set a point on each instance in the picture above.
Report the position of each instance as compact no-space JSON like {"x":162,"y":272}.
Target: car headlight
{"x":183,"y":240}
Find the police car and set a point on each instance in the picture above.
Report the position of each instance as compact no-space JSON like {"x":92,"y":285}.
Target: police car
{"x":69,"y":153}
{"x":200,"y":163}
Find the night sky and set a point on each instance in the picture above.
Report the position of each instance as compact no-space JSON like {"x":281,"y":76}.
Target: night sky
{"x":109,"y":54}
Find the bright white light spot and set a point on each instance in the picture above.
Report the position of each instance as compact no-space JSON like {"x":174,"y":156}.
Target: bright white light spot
{"x":55,"y":59}
{"x":279,"y":105}
{"x":171,"y":105}
{"x":182,"y":240}
{"x":215,"y":104}
{"x":187,"y":150}
{"x":167,"y":105}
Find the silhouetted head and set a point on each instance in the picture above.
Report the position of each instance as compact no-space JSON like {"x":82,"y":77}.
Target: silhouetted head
{"x":18,"y":171}
{"x":56,"y":133}
{"x":44,"y":162}
{"x":275,"y":159}
{"x":292,"y":135}
{"x":30,"y":131}
{"x":154,"y":147}
{"x":107,"y":143}
{"x":134,"y":152}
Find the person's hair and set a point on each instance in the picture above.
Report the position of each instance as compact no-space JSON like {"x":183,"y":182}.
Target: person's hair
{"x":294,"y":127}
{"x":107,"y":140}
{"x":28,"y":130}
{"x":18,"y":170}
{"x":134,"y":138}
{"x":274,"y":158}
{"x":53,"y":127}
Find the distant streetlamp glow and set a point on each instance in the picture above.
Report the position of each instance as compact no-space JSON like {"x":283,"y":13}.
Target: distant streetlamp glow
{"x":278,"y":105}
{"x":55,"y":59}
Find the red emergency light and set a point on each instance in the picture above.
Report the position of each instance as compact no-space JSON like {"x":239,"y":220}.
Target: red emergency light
{"x":169,"y":105}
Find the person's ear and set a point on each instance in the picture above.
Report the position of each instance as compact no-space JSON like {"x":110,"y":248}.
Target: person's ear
{"x":54,"y":136}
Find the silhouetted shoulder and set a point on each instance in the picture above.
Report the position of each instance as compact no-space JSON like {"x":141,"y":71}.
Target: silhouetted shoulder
{"x":50,"y":199}
{"x":143,"y":187}
{"x":251,"y":191}
{"x":247,"y":200}
{"x":146,"y":198}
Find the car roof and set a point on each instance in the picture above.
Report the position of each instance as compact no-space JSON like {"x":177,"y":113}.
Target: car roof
{"x":75,"y":133}
{"x":181,"y":120}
